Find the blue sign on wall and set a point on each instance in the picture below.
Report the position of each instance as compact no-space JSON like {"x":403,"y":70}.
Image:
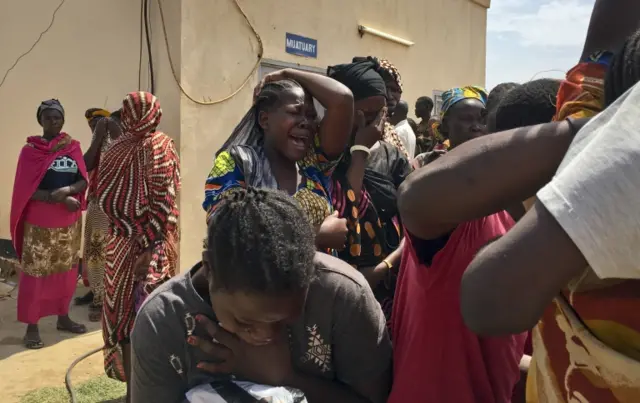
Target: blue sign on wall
{"x":301,"y":46}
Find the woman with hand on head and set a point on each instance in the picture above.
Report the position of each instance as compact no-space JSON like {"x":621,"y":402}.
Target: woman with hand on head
{"x":106,"y":128}
{"x":279,"y":144}
{"x":365,"y":182}
{"x":393,"y":83}
{"x":46,"y":223}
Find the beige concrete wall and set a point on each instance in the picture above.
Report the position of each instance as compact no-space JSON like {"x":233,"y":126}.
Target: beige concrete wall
{"x":89,"y":58}
{"x":219,"y":50}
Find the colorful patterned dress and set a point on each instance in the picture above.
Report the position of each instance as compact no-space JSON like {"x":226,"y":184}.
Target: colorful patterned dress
{"x":373,"y":223}
{"x":242,"y":166}
{"x":96,"y":229}
{"x":137,"y":190}
{"x":46,"y":236}
{"x":586,"y":346}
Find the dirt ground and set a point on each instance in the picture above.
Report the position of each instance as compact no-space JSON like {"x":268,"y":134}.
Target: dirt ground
{"x":23,"y":370}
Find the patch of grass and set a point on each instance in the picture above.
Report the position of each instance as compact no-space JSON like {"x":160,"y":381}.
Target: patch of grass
{"x":97,"y":390}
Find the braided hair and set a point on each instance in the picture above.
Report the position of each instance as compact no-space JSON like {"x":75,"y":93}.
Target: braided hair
{"x":249,"y":132}
{"x":260,"y":241}
{"x":624,"y":69}
{"x":528,"y":104}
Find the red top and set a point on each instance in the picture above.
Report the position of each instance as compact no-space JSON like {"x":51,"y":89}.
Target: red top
{"x":436,"y":357}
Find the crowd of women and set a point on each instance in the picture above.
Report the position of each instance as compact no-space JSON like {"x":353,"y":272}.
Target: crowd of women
{"x":336,"y":267}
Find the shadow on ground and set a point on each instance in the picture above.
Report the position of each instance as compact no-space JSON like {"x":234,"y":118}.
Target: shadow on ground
{"x":23,"y":371}
{"x":12,"y":331}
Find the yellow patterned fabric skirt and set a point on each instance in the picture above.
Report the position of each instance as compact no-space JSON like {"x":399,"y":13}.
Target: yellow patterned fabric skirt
{"x":95,"y":242}
{"x":49,"y":251}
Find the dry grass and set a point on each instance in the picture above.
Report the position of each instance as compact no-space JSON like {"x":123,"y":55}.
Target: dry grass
{"x":97,"y":390}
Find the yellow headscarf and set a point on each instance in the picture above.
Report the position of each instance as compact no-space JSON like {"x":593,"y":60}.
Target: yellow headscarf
{"x":95,"y":113}
{"x":452,"y":97}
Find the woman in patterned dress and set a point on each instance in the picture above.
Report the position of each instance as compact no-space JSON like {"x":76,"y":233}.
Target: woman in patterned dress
{"x":279,"y":145}
{"x":137,"y":190}
{"x":365,"y":183}
{"x":106,"y":128}
{"x":46,"y":223}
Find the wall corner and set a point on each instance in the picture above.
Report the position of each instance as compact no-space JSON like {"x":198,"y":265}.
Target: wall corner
{"x":482,"y":3}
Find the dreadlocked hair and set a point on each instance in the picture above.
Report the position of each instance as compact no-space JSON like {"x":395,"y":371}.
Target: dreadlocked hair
{"x":624,"y":69}
{"x":260,"y":241}
{"x":248,"y":132}
{"x":528,"y":104}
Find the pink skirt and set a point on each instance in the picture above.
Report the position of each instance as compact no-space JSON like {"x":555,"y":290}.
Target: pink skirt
{"x":39,"y":297}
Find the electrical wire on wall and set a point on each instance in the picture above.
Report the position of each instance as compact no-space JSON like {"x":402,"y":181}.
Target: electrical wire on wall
{"x":145,"y":39}
{"x":140,"y":45}
{"x":246,"y":81}
{"x":53,"y":19}
{"x":147,"y":34}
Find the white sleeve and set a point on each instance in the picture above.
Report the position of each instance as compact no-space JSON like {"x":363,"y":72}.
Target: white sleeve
{"x":595,"y":195}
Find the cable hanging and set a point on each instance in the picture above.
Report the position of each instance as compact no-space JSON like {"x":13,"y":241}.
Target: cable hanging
{"x":53,"y":19}
{"x":246,"y":81}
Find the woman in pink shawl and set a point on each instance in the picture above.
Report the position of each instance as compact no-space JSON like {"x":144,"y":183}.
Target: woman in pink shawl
{"x":46,"y":223}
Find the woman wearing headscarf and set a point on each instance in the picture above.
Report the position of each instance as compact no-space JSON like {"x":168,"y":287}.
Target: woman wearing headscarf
{"x":393,"y":82}
{"x":280,"y":145}
{"x":106,"y":128}
{"x":470,"y":107}
{"x":365,"y":183}
{"x":46,"y":223}
{"x":137,"y":190}
{"x":464,"y":367}
{"x":464,"y":114}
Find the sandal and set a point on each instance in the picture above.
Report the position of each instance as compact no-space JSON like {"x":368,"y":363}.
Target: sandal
{"x":33,"y":343}
{"x":75,"y":328}
{"x":95,"y":313}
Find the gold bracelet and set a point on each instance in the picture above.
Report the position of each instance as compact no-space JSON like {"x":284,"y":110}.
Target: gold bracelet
{"x":388,"y":263}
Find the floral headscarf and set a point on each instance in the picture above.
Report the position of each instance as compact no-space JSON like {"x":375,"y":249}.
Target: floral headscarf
{"x":452,"y":97}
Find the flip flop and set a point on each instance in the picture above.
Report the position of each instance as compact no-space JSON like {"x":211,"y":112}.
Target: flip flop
{"x":32,"y":344}
{"x":75,"y":328}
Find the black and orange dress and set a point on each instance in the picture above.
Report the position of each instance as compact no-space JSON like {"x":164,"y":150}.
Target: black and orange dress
{"x":373,"y":221}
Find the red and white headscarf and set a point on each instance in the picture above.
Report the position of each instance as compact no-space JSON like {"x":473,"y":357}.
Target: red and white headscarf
{"x":141,"y":113}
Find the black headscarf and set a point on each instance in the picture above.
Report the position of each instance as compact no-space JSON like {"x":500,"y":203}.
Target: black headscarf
{"x":49,"y":104}
{"x":360,"y":77}
{"x":384,"y":67}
